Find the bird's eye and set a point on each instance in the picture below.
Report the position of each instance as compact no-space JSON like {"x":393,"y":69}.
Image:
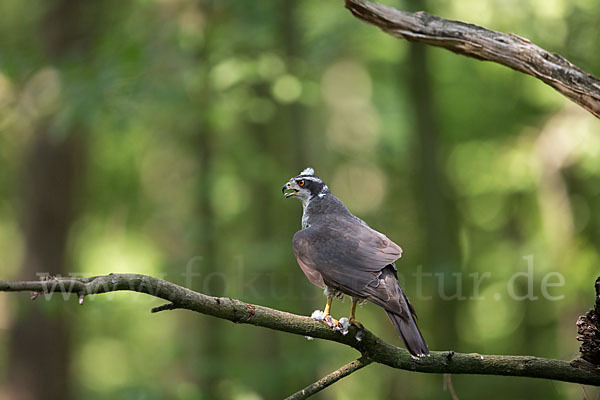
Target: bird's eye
{"x":301,"y":183}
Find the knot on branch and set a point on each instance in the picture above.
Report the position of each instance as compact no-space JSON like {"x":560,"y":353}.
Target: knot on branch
{"x":588,"y":328}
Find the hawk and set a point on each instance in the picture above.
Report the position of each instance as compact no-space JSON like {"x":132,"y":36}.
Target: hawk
{"x":342,"y":254}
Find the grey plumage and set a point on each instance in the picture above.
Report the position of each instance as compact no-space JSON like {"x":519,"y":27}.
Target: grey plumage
{"x":338,"y":250}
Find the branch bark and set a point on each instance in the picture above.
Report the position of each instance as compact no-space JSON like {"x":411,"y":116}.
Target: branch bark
{"x":475,"y":41}
{"x":366,"y":343}
{"x":330,"y":379}
{"x":588,"y":328}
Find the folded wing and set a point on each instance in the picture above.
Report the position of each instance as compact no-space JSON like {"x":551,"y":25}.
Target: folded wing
{"x":350,"y":258}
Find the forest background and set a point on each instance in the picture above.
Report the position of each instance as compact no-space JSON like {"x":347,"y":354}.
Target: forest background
{"x":153,"y":136}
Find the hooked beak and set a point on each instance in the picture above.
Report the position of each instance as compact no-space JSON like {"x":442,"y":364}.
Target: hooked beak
{"x":288,"y":191}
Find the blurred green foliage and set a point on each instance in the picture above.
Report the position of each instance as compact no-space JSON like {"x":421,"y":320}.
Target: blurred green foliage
{"x":197,"y":112}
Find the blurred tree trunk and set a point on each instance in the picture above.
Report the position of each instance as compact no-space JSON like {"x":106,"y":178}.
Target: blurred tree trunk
{"x":437,"y":210}
{"x":210,"y":354}
{"x":212,"y":369}
{"x":39,"y":353}
{"x":39,"y":343}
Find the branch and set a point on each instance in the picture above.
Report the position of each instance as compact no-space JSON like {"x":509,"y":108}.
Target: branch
{"x":367,"y":344}
{"x":330,"y":379}
{"x":475,"y":41}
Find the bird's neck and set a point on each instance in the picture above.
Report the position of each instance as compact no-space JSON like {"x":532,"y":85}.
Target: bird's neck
{"x":320,"y":205}
{"x":305,"y":213}
{"x":306,"y":202}
{"x":311,"y":202}
{"x":316,"y":197}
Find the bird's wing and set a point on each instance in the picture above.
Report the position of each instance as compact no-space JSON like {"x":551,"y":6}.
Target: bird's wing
{"x":374,"y":250}
{"x":349,"y":256}
{"x":387,"y":293}
{"x":350,"y":243}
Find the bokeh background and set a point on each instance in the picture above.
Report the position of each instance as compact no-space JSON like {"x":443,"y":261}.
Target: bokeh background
{"x":153,"y":136}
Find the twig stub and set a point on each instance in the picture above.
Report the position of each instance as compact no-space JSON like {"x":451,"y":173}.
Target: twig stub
{"x":588,"y":328}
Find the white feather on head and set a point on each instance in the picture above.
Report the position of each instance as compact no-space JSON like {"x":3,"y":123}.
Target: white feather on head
{"x":307,"y":171}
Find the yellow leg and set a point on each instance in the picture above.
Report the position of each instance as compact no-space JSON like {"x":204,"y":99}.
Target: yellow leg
{"x":327,"y":314}
{"x":327,"y":311}
{"x":353,"y":320}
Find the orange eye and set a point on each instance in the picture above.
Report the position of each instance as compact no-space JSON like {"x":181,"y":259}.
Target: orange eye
{"x":301,"y":183}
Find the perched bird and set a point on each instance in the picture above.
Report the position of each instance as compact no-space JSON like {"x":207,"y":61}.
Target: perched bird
{"x":341,"y":253}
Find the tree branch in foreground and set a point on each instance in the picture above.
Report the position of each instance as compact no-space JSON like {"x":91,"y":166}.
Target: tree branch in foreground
{"x":330,"y":379}
{"x":475,"y":41}
{"x":370,"y":346}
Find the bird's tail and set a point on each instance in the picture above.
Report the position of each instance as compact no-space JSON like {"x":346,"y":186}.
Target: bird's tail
{"x":409,"y":331}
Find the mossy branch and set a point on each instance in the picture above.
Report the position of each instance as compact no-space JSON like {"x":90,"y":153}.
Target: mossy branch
{"x":370,"y":346}
{"x":475,"y":41}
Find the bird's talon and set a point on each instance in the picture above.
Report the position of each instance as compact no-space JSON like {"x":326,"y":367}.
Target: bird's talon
{"x":356,"y":324}
{"x":332,"y":322}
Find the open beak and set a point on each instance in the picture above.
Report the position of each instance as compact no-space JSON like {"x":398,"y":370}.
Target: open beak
{"x":288,"y":191}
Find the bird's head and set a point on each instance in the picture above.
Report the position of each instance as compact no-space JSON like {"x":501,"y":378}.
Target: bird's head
{"x":305,"y":186}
